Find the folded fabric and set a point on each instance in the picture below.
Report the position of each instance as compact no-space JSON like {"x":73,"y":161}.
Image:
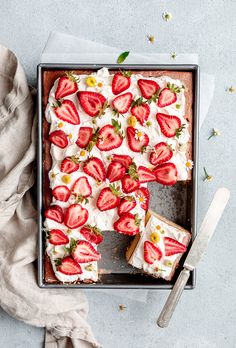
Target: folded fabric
{"x":62,"y":312}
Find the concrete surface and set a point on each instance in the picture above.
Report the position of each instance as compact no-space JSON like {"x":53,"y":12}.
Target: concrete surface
{"x":205,"y":317}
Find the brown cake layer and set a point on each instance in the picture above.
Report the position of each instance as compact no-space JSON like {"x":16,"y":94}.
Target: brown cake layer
{"x":48,"y":79}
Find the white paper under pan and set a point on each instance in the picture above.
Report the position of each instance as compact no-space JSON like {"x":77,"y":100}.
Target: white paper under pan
{"x":64,"y":48}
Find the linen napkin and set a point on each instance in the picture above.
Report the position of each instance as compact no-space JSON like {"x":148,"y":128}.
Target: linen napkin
{"x":62,"y":312}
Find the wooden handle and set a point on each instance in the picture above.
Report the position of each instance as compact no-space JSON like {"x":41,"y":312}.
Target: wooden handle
{"x":173,"y":299}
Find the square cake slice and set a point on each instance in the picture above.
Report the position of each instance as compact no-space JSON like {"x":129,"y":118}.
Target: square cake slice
{"x":158,"y":250}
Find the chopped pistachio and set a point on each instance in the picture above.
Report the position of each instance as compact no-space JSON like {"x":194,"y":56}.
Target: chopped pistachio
{"x":168,"y":263}
{"x":148,"y":123}
{"x":89,"y":268}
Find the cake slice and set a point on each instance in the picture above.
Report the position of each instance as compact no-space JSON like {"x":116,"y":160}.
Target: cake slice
{"x":158,"y":250}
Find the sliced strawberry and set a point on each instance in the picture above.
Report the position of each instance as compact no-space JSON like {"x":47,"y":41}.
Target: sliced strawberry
{"x":92,"y":233}
{"x":125,"y":160}
{"x":127,"y":224}
{"x":95,"y":168}
{"x":167,"y":97}
{"x":126,"y":205}
{"x":58,"y":138}
{"x":169,"y":124}
{"x":172,"y":246}
{"x":109,"y":138}
{"x":141,"y":112}
{"x":151,"y":252}
{"x":148,"y":88}
{"x":145,"y":175}
{"x":66,"y":111}
{"x":84,"y":136}
{"x":82,"y":187}
{"x":108,"y":199}
{"x":136,"y":145}
{"x":143,"y":196}
{"x":120,"y":83}
{"x":61,"y":193}
{"x":69,"y":165}
{"x":54,"y":213}
{"x":115,"y":171}
{"x":122,"y":102}
{"x":57,"y":237}
{"x":68,"y":266}
{"x":161,"y":153}
{"x":66,"y":85}
{"x":166,"y":173}
{"x":91,"y":102}
{"x":84,"y":252}
{"x":129,"y":184}
{"x":75,"y":216}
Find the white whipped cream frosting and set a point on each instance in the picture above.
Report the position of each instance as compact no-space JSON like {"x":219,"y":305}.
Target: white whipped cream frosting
{"x":158,"y":268}
{"x":105,"y":220}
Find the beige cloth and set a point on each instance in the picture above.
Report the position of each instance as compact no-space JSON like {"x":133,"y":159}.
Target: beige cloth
{"x":62,"y":312}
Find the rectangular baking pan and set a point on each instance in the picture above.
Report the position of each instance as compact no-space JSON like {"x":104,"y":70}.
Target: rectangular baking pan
{"x":178,"y":203}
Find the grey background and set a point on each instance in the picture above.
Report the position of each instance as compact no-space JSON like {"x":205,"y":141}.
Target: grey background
{"x":206,"y":316}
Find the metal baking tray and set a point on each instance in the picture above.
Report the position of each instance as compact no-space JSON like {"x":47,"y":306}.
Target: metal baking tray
{"x":177,"y":203}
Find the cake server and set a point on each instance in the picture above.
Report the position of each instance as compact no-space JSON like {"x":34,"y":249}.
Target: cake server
{"x":198,"y":248}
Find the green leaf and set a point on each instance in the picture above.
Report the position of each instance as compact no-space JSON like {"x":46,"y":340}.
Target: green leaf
{"x":73,"y":244}
{"x":115,"y":190}
{"x":180,"y":130}
{"x":122,"y":57}
{"x":126,"y":73}
{"x":132,"y":171}
{"x":138,"y":101}
{"x":89,"y":268}
{"x":137,"y":220}
{"x":116,"y":125}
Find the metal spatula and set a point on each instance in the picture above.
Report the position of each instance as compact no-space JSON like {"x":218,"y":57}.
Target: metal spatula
{"x":198,"y":248}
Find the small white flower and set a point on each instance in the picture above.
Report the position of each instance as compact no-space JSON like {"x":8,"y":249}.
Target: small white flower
{"x":167,"y":16}
{"x":173,"y":55}
{"x":83,"y":154}
{"x":60,"y":124}
{"x":214,"y":133}
{"x":99,"y":86}
{"x":141,"y":199}
{"x":151,"y":39}
{"x":207,"y":176}
{"x":139,"y":135}
{"x":189,"y":165}
{"x":231,"y":89}
{"x":70,"y":137}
